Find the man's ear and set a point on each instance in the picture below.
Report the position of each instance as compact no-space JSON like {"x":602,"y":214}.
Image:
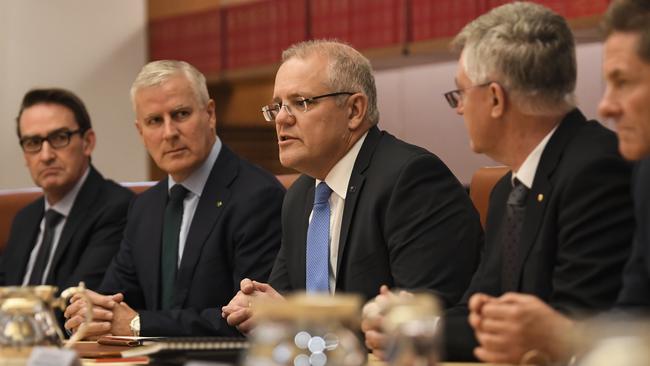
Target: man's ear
{"x":212,"y":115}
{"x":498,"y":95}
{"x":88,"y":140}
{"x":357,"y":107}
{"x":138,"y":127}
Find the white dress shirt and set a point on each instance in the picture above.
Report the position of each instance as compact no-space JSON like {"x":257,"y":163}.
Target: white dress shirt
{"x":527,"y":170}
{"x":63,"y":207}
{"x":194,"y":184}
{"x":338,"y":179}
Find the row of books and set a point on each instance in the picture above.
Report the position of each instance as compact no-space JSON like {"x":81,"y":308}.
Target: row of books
{"x":255,"y":33}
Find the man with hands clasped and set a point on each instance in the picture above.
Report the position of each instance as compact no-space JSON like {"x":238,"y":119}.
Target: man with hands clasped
{"x":192,"y":238}
{"x":369,"y":209}
{"x":559,"y":224}
{"x":512,"y":325}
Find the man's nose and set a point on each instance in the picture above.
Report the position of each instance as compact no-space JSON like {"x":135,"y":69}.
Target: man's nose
{"x":170,"y":129}
{"x":47,"y":152}
{"x":284,"y":115}
{"x":608,"y":107}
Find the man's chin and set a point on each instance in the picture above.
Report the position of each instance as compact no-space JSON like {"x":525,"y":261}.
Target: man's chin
{"x":49,"y":183}
{"x":179,"y":168}
{"x":632,"y":152}
{"x":289,"y":161}
{"x":54,"y":188}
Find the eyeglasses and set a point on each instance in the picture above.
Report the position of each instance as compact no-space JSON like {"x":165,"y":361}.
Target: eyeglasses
{"x":271,"y":111}
{"x":454,"y":97}
{"x":57,"y":140}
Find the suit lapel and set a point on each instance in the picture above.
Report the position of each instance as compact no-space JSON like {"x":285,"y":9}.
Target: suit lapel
{"x":215,"y":196}
{"x":496,"y":210}
{"x":492,"y":254}
{"x":152,"y":277}
{"x":542,"y":188}
{"x":302,"y":234}
{"x":29,"y":230}
{"x":78,"y":213}
{"x":355,"y":186}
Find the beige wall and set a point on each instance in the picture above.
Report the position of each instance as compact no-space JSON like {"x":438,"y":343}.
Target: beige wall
{"x":94,"y":48}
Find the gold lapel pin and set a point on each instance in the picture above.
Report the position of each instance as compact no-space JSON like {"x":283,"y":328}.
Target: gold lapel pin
{"x":219,"y":203}
{"x":540,"y":197}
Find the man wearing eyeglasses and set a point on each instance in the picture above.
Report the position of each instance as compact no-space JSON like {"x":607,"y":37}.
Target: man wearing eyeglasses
{"x":73,"y":231}
{"x":190,"y":239}
{"x":626,"y":69}
{"x":559,"y":225}
{"x":369,"y":209}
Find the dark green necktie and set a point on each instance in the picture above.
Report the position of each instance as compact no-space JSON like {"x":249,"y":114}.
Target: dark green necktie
{"x":171,"y":231}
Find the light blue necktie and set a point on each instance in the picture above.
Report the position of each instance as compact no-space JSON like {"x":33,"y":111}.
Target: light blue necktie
{"x":317,"y":273}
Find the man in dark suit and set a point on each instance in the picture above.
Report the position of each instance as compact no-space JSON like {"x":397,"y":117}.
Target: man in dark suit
{"x":72,"y":232}
{"x":369,"y":209}
{"x":194,"y":236}
{"x":566,"y":240}
{"x":514,"y":324}
{"x":559,"y":224}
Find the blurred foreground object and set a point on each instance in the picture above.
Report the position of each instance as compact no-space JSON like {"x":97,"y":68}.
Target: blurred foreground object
{"x":412,"y":324}
{"x":27,"y":319}
{"x":614,"y":342}
{"x":306,"y":330}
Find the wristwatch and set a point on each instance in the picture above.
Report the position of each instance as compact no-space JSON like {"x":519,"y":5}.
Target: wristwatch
{"x":135,"y":325}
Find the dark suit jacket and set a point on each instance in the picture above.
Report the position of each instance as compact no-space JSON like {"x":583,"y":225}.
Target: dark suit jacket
{"x":89,"y":240}
{"x":407,"y":222}
{"x":576,"y":233}
{"x":635,"y":295}
{"x":235,"y":233}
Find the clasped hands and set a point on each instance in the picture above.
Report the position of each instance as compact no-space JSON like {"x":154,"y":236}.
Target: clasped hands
{"x":111,"y":315}
{"x":238,"y":312}
{"x":518,"y":328}
{"x":509,"y":328}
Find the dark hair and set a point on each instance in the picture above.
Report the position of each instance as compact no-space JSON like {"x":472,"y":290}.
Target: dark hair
{"x":632,"y":16}
{"x":62,"y":97}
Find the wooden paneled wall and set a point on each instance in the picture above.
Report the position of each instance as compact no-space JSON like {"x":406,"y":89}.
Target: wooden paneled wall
{"x":238,"y":100}
{"x":231,"y":40}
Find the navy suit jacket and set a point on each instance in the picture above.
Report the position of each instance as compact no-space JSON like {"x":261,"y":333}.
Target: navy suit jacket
{"x":235,"y":233}
{"x":90,"y":238}
{"x":635,"y":295}
{"x":407,"y":222}
{"x":576,"y":233}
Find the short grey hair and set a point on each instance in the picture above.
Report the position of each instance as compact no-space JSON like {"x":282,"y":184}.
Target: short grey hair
{"x":526,"y":48}
{"x":157,"y":72}
{"x":347,"y":70}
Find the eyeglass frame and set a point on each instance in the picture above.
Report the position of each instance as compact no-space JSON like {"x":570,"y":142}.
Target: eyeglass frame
{"x":454,"y":102}
{"x":266,"y":110}
{"x":56,"y":133}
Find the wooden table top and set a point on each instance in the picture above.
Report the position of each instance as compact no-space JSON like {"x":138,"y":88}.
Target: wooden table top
{"x":373,"y":361}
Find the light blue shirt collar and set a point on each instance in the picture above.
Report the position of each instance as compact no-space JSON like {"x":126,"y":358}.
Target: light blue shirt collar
{"x":338,"y":177}
{"x":197,"y":180}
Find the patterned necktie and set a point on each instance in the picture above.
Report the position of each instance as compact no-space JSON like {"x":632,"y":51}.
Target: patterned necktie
{"x":515,"y":212}
{"x":171,"y":231}
{"x":51,"y":219}
{"x":317,"y":274}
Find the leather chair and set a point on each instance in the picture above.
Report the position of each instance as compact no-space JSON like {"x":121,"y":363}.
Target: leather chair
{"x":12,"y":200}
{"x":287,"y":179}
{"x":481,"y":186}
